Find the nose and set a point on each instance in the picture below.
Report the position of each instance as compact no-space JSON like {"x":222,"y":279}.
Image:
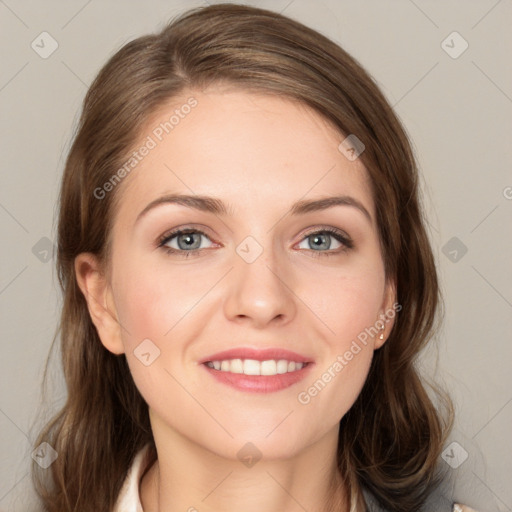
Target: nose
{"x":260,"y":292}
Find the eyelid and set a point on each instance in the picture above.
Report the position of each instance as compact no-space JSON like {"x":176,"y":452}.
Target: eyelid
{"x":341,"y":236}
{"x":187,"y":228}
{"x":327,"y":229}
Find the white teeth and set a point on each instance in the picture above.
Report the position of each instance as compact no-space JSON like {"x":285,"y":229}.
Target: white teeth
{"x":237,"y":366}
{"x":282,"y":366}
{"x":253,"y":367}
{"x":268,"y":368}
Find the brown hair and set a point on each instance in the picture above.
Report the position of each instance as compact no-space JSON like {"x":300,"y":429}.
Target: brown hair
{"x":391,"y":439}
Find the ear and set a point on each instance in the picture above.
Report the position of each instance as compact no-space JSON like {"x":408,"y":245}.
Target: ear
{"x":389,"y":310}
{"x":98,"y":295}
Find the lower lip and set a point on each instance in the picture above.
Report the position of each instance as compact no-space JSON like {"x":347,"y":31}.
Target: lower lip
{"x":259,"y":383}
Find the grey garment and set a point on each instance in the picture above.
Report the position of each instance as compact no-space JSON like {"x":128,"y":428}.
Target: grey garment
{"x":461,"y":485}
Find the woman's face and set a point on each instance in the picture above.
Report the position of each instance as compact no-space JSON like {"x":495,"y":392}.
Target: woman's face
{"x":262,"y":276}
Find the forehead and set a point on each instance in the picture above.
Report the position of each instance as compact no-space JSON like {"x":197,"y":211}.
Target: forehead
{"x":252,"y":150}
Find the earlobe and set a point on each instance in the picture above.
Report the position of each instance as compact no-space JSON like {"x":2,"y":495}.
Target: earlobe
{"x":95,"y":288}
{"x":387,"y":314}
{"x":381,"y":336}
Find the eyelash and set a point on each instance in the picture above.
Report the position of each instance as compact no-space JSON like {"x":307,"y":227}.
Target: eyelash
{"x":335,"y":233}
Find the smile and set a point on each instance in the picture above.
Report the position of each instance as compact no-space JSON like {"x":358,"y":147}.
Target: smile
{"x":257,"y":370}
{"x":254,"y":367}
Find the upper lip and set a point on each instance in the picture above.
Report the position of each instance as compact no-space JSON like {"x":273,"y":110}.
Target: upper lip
{"x":257,"y":354}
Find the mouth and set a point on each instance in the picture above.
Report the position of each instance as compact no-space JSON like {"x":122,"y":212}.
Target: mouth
{"x":262,"y":371}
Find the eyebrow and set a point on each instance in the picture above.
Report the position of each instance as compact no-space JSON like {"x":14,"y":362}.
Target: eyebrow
{"x":217,"y":207}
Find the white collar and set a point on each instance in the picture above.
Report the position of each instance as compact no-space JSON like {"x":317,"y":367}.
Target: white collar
{"x":129,"y":497}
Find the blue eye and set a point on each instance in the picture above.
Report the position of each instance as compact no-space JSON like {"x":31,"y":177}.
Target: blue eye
{"x":188,"y":242}
{"x":184,"y":241}
{"x":320,"y":242}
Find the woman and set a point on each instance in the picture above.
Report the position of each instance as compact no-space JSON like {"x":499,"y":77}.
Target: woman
{"x":247,"y":283}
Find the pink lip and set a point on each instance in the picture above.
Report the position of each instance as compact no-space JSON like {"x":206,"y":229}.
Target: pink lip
{"x":258,"y":383}
{"x":257,"y":355}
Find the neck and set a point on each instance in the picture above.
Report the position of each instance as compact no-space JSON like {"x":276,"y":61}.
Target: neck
{"x":189,"y":478}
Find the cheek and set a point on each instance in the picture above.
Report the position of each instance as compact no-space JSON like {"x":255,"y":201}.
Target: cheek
{"x":157,"y":308}
{"x":152,"y":299}
{"x":336,"y":383}
{"x":347,"y":304}
{"x":348,"y":308}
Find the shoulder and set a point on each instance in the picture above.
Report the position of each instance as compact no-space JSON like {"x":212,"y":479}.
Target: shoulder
{"x":436,"y":501}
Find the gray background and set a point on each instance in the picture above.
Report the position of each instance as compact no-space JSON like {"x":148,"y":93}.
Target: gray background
{"x":456,"y":110}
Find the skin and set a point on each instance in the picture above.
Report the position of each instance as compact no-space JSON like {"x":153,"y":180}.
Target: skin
{"x":259,"y":154}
